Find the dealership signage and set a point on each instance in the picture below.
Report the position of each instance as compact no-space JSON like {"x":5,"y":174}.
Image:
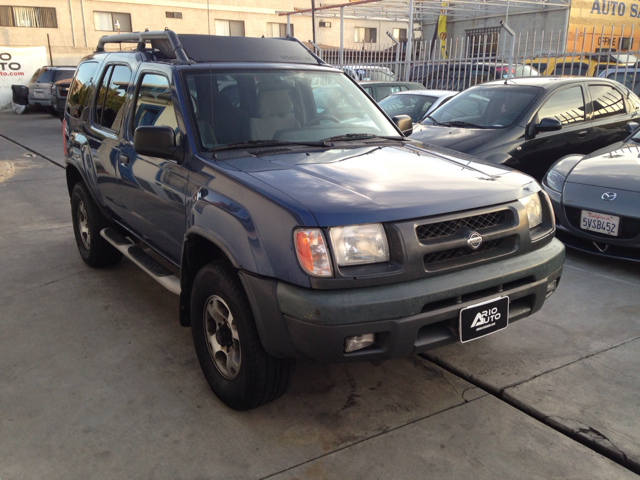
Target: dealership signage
{"x":17,"y":65}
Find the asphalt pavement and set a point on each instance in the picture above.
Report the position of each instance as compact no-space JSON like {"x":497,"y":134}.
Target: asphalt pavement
{"x":100,"y":381}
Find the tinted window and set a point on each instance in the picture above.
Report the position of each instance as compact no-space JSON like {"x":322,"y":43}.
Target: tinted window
{"x":606,"y":101}
{"x":36,"y":75}
{"x":62,"y":75}
{"x":413,"y":105}
{"x":489,"y":107}
{"x":46,"y":76}
{"x":579,"y":69}
{"x":80,"y":88}
{"x":111,"y":96}
{"x":387,"y":90}
{"x":567,"y":106}
{"x":153,"y":104}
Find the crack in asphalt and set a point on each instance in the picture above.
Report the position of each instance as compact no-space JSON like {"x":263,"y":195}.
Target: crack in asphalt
{"x":32,"y":151}
{"x":40,"y":286}
{"x":585,"y":435}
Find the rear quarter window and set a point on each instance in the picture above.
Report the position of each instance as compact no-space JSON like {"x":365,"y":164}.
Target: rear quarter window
{"x":80,"y":89}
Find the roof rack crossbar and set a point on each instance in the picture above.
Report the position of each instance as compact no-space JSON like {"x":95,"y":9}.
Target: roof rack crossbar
{"x":142,"y":37}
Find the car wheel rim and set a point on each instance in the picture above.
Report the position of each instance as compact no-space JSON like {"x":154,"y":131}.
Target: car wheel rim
{"x":222,"y":337}
{"x":83,"y":226}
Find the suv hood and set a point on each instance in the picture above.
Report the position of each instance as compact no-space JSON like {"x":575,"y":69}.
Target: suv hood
{"x":458,"y":139}
{"x":616,"y":169}
{"x":345,"y":186}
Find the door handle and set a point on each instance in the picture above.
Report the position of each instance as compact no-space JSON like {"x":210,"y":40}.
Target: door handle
{"x":124,"y":160}
{"x":582,"y":134}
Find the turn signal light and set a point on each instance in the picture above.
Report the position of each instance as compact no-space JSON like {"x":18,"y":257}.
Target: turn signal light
{"x":312,"y":253}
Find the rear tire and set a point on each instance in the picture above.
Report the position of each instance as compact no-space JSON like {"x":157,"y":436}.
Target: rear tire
{"x":238,"y":369}
{"x":88,"y":221}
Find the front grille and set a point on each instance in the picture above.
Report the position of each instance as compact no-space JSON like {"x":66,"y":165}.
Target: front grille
{"x":628,"y":228}
{"x":450,"y":227}
{"x":505,"y":244}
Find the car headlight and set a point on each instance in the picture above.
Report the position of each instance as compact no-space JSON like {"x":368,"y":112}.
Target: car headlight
{"x":534,"y":209}
{"x":312,"y":253}
{"x":554,"y":180}
{"x":360,"y":244}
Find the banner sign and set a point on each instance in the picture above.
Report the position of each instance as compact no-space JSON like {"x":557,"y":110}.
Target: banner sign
{"x":17,"y":65}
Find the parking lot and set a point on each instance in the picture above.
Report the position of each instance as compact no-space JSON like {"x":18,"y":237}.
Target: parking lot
{"x":99,"y":380}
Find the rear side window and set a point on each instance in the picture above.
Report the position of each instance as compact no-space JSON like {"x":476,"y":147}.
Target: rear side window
{"x":36,"y":75}
{"x":154,"y":106}
{"x":567,"y":106}
{"x":80,"y":88}
{"x":111,"y":96}
{"x":606,"y":101}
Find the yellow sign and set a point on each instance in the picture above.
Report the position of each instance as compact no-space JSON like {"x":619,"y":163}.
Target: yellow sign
{"x":603,"y":24}
{"x":442,"y":30}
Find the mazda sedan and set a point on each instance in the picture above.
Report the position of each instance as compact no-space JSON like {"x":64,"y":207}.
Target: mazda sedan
{"x":529,"y":123}
{"x":596,"y":199}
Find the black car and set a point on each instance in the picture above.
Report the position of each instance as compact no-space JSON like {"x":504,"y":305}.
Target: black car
{"x":292,"y":224}
{"x":529,"y":123}
{"x":596,"y":199}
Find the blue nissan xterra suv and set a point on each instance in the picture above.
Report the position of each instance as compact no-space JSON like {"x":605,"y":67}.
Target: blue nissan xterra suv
{"x":289,"y":213}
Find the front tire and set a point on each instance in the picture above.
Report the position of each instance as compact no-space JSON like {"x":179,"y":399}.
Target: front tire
{"x":88,"y":221}
{"x":238,"y":369}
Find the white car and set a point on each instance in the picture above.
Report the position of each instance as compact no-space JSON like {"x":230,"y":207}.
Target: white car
{"x":368,"y":73}
{"x":415,"y":103}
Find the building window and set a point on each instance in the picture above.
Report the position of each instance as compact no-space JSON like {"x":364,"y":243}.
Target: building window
{"x":38,"y":17}
{"x":325,"y":24}
{"x":173,"y":14}
{"x":229,"y":28}
{"x":278,"y":30}
{"x":400,"y":34}
{"x":482,"y":41}
{"x":106,"y":22}
{"x":365,"y":35}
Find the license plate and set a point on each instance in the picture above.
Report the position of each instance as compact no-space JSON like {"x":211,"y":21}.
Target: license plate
{"x":599,"y":222}
{"x":38,"y":94}
{"x":483,"y":319}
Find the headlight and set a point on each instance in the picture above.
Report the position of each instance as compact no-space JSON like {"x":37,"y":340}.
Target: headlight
{"x":312,"y":252}
{"x":534,"y":209}
{"x":554,"y":180}
{"x":360,"y":244}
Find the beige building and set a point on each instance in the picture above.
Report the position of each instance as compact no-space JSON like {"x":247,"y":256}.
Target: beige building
{"x":70,"y":29}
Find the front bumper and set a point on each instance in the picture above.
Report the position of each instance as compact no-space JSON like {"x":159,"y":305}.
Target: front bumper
{"x":625,"y":247}
{"x":407,"y":318}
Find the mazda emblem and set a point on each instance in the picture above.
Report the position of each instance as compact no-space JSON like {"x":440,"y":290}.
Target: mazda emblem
{"x":609,"y":196}
{"x":474,"y":241}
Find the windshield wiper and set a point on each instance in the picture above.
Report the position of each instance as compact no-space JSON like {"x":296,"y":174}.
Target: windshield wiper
{"x":356,"y":136}
{"x":263,"y":143}
{"x":435,"y":122}
{"x":458,"y":123}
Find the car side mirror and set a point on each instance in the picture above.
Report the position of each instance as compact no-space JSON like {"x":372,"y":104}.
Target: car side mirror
{"x":404,"y":123}
{"x":631,"y":127}
{"x":548,"y":125}
{"x":157,"y":142}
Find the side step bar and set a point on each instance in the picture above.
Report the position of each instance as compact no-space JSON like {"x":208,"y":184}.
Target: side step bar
{"x":148,"y":264}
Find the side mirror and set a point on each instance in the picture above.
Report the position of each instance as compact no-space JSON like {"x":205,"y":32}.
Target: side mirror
{"x":156,"y":142}
{"x":548,"y":125}
{"x":404,"y":123}
{"x":631,"y":127}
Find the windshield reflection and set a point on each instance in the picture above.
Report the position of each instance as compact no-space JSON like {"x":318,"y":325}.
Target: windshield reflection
{"x":259,"y":107}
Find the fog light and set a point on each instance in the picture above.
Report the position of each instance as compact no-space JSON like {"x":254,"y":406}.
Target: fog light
{"x":551,"y":287}
{"x":358,"y":342}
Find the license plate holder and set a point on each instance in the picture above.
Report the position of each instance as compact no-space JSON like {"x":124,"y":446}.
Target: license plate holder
{"x":482,"y":319}
{"x":599,"y":222}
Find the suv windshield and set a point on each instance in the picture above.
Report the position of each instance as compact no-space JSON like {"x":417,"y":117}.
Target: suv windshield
{"x":278,"y":106}
{"x":496,"y":106}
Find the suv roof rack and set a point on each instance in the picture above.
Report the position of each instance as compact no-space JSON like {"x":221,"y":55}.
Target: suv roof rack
{"x":141,"y":38}
{"x":212,"y":48}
